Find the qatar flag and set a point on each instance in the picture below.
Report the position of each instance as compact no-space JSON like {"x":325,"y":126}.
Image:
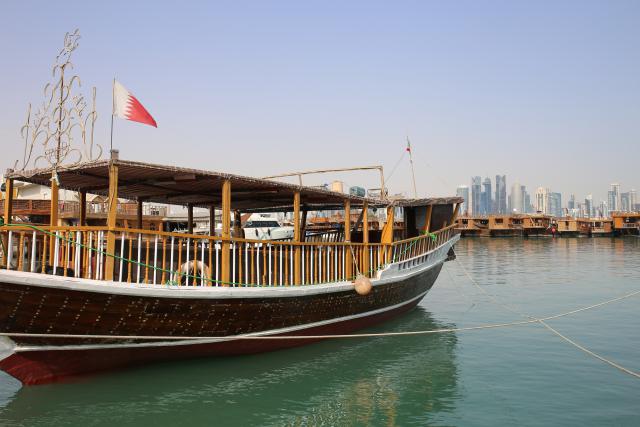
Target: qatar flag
{"x":126,"y":106}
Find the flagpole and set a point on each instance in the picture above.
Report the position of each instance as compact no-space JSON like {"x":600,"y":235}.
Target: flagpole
{"x":113,"y":109}
{"x":413,"y":174}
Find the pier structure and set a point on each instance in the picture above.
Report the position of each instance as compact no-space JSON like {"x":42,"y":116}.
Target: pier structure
{"x":626,"y":223}
{"x":539,"y":225}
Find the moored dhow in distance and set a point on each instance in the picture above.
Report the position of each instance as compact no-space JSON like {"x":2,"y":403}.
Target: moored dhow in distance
{"x":79,"y":299}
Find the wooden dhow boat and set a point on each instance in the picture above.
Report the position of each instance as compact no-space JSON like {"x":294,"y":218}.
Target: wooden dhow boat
{"x":81,"y":298}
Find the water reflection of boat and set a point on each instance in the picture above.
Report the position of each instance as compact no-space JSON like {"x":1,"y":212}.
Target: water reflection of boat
{"x":339,"y":382}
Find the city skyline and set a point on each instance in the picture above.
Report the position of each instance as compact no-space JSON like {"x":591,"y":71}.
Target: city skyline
{"x":479,"y":200}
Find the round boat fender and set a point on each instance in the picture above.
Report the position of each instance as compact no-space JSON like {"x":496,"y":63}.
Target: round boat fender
{"x":362,"y":285}
{"x":193,"y":268}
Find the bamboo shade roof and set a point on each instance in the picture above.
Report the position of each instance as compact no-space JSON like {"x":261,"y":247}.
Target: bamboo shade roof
{"x":184,"y":186}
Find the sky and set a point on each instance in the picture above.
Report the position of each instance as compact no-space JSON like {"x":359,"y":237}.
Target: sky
{"x":545,"y":92}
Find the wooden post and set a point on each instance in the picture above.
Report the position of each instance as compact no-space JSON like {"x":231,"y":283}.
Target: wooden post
{"x":297,"y":259}
{"x":226,"y":232}
{"x":53,"y":218}
{"x":212,"y":221}
{"x":237,"y":224}
{"x":190,"y":219}
{"x":111,"y":221}
{"x":53,"y":215}
{"x":455,"y":213}
{"x":8,"y":214}
{"x":303,"y":226}
{"x":348,"y":268}
{"x":427,"y":219}
{"x":139,"y":214}
{"x":387,"y":233}
{"x":365,"y":238}
{"x":83,"y":209}
{"x":8,"y":201}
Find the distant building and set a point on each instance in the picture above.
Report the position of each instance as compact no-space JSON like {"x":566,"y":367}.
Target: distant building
{"x":571,"y":204}
{"x":516,"y":198}
{"x":588,"y":207}
{"x":633,"y":200}
{"x":528,"y":207}
{"x":555,"y":204}
{"x":603,"y":211}
{"x":476,"y":195}
{"x":463,"y":191}
{"x":501,"y":195}
{"x":542,"y":200}
{"x":486,"y":201}
{"x":615,"y":203}
{"x":625,"y":206}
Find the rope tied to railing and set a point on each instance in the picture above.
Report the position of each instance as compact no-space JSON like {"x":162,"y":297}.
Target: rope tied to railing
{"x":174,"y":273}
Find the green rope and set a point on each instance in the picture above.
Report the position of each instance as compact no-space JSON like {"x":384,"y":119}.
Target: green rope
{"x":171,"y":272}
{"x":433,"y":236}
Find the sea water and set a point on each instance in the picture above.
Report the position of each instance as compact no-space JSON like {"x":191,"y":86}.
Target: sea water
{"x":519,"y":375}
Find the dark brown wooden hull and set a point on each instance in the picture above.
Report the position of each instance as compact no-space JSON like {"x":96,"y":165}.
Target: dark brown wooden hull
{"x":34,"y":309}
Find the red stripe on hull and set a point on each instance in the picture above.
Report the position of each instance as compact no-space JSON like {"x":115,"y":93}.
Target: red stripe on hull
{"x":39,"y":367}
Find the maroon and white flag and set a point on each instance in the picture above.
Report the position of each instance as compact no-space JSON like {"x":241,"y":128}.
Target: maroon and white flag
{"x":126,"y":106}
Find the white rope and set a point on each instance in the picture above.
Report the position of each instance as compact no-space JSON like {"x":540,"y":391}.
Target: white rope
{"x":556,"y":332}
{"x":364,"y":335}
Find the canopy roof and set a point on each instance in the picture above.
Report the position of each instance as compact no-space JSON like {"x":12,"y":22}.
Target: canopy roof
{"x":184,"y":186}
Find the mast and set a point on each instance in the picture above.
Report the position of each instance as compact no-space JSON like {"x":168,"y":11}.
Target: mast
{"x":413,"y":174}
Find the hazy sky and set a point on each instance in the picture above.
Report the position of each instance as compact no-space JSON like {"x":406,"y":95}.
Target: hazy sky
{"x":547,"y":93}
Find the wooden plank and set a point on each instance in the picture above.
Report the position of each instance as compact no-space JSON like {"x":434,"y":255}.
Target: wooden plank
{"x":365,"y":238}
{"x":139,"y":211}
{"x":212,"y":221}
{"x":348,"y":271}
{"x":297,"y":260}
{"x":455,"y":213}
{"x":53,"y":216}
{"x":111,"y":220}
{"x":427,"y":220}
{"x":387,"y":235}
{"x":226,"y":231}
{"x":83,"y":208}
{"x":190,"y":218}
{"x":8,"y":202}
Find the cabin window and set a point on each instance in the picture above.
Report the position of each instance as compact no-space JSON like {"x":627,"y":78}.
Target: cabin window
{"x":260,"y":224}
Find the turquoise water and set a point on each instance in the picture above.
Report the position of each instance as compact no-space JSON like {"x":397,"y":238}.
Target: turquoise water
{"x":522,"y":375}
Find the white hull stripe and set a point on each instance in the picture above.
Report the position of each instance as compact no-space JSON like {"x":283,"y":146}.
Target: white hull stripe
{"x":280,"y":331}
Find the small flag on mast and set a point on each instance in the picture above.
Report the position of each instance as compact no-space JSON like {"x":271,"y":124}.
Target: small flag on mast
{"x":408,"y":146}
{"x":126,"y":106}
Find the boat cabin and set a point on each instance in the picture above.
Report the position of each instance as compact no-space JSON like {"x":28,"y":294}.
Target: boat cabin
{"x":129,"y":251}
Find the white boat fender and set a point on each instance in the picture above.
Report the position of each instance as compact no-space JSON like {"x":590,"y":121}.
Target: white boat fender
{"x":362,"y":285}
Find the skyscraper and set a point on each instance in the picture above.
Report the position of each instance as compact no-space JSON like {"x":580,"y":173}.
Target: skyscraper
{"x":555,"y":204}
{"x":463,"y":191}
{"x":624,"y":202}
{"x":476,"y":195}
{"x":571,"y":204}
{"x":526,"y":197}
{"x":614,"y":198}
{"x":501,"y":194}
{"x":487,"y":201}
{"x":633,"y":200}
{"x":516,"y":198}
{"x":542,"y":200}
{"x":588,"y":206}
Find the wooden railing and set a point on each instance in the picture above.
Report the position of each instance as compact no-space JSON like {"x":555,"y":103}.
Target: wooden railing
{"x":153,"y":257}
